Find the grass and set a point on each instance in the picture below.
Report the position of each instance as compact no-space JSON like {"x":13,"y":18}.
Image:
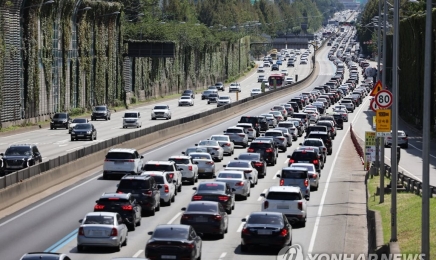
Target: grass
{"x":408,"y":218}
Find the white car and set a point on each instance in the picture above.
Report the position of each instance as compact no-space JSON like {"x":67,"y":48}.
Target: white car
{"x":244,"y":166}
{"x":260,"y":78}
{"x":161,"y":111}
{"x":236,"y":180}
{"x":235,"y":87}
{"x":187,"y":167}
{"x":288,"y":200}
{"x":313,"y":175}
{"x":225,"y":142}
{"x":223,"y":100}
{"x":284,"y":72}
{"x":167,"y":186}
{"x":217,"y":151}
{"x":289,"y":80}
{"x":249,"y":130}
{"x":255,"y":91}
{"x":348,"y":104}
{"x":186,"y":101}
{"x":260,"y":69}
{"x":167,"y":167}
{"x":132,"y":119}
{"x":122,"y":161}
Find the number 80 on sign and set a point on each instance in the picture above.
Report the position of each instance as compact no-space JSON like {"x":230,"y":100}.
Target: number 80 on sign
{"x":384,"y":99}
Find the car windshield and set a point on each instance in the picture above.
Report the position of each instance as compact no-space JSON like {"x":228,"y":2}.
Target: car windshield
{"x":256,"y":90}
{"x":207,"y":92}
{"x":60,"y":116}
{"x":233,"y":130}
{"x":224,"y":98}
{"x":206,"y":207}
{"x":303,"y":155}
{"x":208,"y":143}
{"x":220,"y":138}
{"x":196,"y":149}
{"x":130,"y":115}
{"x":249,"y":156}
{"x":80,"y":120}
{"x":277,"y":113}
{"x":159,"y":167}
{"x":179,"y":160}
{"x":102,"y":220}
{"x":171,"y":233}
{"x":161,"y":107}
{"x":201,"y":156}
{"x":230,"y":175}
{"x":309,"y":167}
{"x":120,"y":156}
{"x":83,"y":126}
{"x":265,"y":219}
{"x":238,"y":164}
{"x":260,"y":145}
{"x":283,"y":196}
{"x":250,"y":120}
{"x":14,"y":151}
{"x":159,"y":179}
{"x":275,"y":133}
{"x":294,"y":174}
{"x":214,"y":186}
{"x":132,"y":184}
{"x":100,"y":108}
{"x":185,"y":97}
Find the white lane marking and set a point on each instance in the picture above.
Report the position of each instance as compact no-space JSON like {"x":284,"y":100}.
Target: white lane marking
{"x":286,"y":161}
{"x":223,"y":255}
{"x":241,"y":226}
{"x":174,"y":218}
{"x":21,"y":141}
{"x":138,"y":253}
{"x":73,"y":149}
{"x":43,"y":158}
{"x":275,"y":175}
{"x":421,"y":150}
{"x":62,"y":141}
{"x":61,"y":145}
{"x":115,"y":127}
{"x":260,"y":197}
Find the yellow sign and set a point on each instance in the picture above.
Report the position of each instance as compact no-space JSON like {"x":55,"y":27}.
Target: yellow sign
{"x":374,"y":122}
{"x":370,"y":138}
{"x":377,"y":88}
{"x":370,"y":146}
{"x":383,"y":123}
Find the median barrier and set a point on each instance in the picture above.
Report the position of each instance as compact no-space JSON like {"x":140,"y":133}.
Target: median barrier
{"x":32,"y":180}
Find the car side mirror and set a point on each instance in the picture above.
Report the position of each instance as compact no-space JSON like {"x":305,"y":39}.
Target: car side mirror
{"x":236,"y":158}
{"x":262,"y":195}
{"x":213,"y":176}
{"x":150,"y":233}
{"x":225,"y":165}
{"x":407,"y":135}
{"x":307,"y":197}
{"x":183,"y":153}
{"x":2,"y":154}
{"x":142,"y":157}
{"x":96,"y":201}
{"x":183,"y":209}
{"x":80,"y":221}
{"x":194,"y":188}
{"x":159,"y":186}
{"x":196,"y":144}
{"x":244,"y":220}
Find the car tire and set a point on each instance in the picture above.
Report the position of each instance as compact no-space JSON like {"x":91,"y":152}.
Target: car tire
{"x":157,"y":208}
{"x":221,"y":236}
{"x":173,"y":199}
{"x":179,"y":189}
{"x":125,"y":242}
{"x":118,"y":248}
{"x":229,"y":211}
{"x":106,"y":118}
{"x":169,"y":202}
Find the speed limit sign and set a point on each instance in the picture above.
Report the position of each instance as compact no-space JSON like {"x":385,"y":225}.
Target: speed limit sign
{"x":374,"y":105}
{"x":384,"y":98}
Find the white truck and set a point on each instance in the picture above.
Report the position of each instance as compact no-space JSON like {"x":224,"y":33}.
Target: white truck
{"x":166,"y":166}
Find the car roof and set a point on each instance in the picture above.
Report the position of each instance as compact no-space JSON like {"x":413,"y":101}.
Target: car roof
{"x":230,"y":171}
{"x":169,"y":226}
{"x":160,"y":162}
{"x":298,"y":165}
{"x":22,"y":145}
{"x":264,"y":213}
{"x":122,"y":150}
{"x":101,"y":213}
{"x":210,"y":182}
{"x":153,"y":173}
{"x":43,"y":256}
{"x":318,"y":132}
{"x":135,"y":177}
{"x":107,"y":195}
{"x":180,"y":157}
{"x":235,"y":127}
{"x":204,"y":202}
{"x":285,"y":188}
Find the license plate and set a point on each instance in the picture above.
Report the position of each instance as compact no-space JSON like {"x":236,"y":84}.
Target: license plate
{"x":117,"y":162}
{"x":168,"y":257}
{"x":264,"y":232}
{"x":200,"y":219}
{"x":304,"y":161}
{"x":80,"y":135}
{"x":200,"y":170}
{"x":97,"y":233}
{"x":282,"y":207}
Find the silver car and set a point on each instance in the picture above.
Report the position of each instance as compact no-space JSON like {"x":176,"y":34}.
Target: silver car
{"x":286,"y":134}
{"x":402,"y":140}
{"x":249,"y":130}
{"x":226,"y":144}
{"x":255,"y":91}
{"x":277,"y":115}
{"x":236,"y":180}
{"x":291,"y":128}
{"x":102,"y":229}
{"x":313,"y":175}
{"x":205,"y":163}
{"x":279,"y":139}
{"x":272,"y":121}
{"x":195,"y":150}
{"x":237,"y":135}
{"x":244,"y":166}
{"x":216,"y":150}
{"x":223,"y":100}
{"x":282,"y":110}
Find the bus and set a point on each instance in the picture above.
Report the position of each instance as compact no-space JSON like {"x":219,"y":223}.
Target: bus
{"x":276,"y":80}
{"x":274,"y":54}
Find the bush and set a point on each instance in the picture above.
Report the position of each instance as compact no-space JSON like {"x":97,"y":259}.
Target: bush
{"x":133,"y":100}
{"x":77,"y":111}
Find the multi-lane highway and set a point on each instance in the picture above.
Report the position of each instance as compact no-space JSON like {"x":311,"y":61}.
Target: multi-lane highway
{"x":51,"y":224}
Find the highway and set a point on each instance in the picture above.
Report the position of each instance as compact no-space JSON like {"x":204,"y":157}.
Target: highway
{"x":54,"y":143}
{"x":51,"y":223}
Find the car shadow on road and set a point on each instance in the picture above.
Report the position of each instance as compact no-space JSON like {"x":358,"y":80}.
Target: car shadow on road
{"x":258,"y":250}
{"x":94,"y":250}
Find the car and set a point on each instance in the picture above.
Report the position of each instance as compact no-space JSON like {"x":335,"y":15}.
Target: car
{"x":167,"y":186}
{"x":275,"y":67}
{"x":206,"y":93}
{"x":255,"y":121}
{"x":45,"y":255}
{"x":161,"y":111}
{"x":217,"y":152}
{"x":189,"y":93}
{"x":348,"y":104}
{"x":339,"y":119}
{"x":260,"y":69}
{"x":186,"y":101}
{"x":190,"y":150}
{"x":244,"y":166}
{"x":213,"y":98}
{"x":98,"y":112}
{"x":287,"y":134}
{"x":292,"y":129}
{"x":75,"y":122}
{"x":288,"y":200}
{"x":271,"y":229}
{"x":236,"y":180}
{"x":132,"y":119}
{"x":319,"y":128}
{"x":290,"y":63}
{"x":257,"y":161}
{"x":84,"y":131}
{"x":262,"y":124}
{"x":279,"y":139}
{"x":284,"y":72}
{"x":220,"y":86}
{"x":223,"y":100}
{"x":104,"y":229}
{"x":277,"y":115}
{"x":313,"y":174}
{"x":225,"y":142}
{"x":260,"y":78}
{"x":249,"y":130}
{"x":403,"y":140}
{"x":205,"y":163}
{"x":237,"y":135}
{"x":298,"y":177}
{"x":279,"y":62}
{"x":255,"y":91}
{"x":289,"y":80}
{"x":266,"y":149}
{"x":122,"y":161}
{"x":206,"y":217}
{"x":124,"y":204}
{"x":282,"y":110}
{"x":326,"y":138}
{"x":168,"y":167}
{"x":272,"y":121}
{"x":216,"y":191}
{"x":303,"y":61}
{"x":187,"y":167}
{"x":235,"y":87}
{"x":20,"y":156}
{"x":60,"y":120}
{"x":170,"y":241}
{"x":144,"y":189}
{"x":330,"y":124}
{"x":317,"y":143}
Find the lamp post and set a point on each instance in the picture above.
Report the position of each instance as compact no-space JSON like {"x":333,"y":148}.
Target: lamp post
{"x":382,"y":139}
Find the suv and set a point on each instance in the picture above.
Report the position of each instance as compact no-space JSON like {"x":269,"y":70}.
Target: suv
{"x":161,"y":111}
{"x":220,"y":86}
{"x":189,"y":92}
{"x":325,"y":138}
{"x":266,"y":149}
{"x":188,"y":168}
{"x":100,"y":112}
{"x":144,"y":189}
{"x":166,"y":166}
{"x":319,"y":128}
{"x":60,"y":120}
{"x":132,"y":119}
{"x":306,"y":155}
{"x":20,"y":156}
{"x":46,"y":255}
{"x":122,"y":203}
{"x":318,"y":143}
{"x":254,"y":120}
{"x":235,"y":87}
{"x":296,"y":177}
{"x":167,"y":186}
{"x":122,"y":161}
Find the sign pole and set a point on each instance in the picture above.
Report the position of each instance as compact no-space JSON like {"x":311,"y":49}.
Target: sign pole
{"x":383,"y":74}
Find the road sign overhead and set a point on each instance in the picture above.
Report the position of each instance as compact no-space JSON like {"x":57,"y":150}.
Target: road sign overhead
{"x":384,"y":99}
{"x":383,"y":120}
{"x":374,"y":105}
{"x":377,"y":88}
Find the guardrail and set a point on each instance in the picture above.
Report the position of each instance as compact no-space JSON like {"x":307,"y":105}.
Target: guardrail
{"x":357,"y":146}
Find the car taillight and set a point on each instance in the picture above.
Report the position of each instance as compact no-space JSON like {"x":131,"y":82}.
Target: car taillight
{"x":245,"y":231}
{"x":283,"y":232}
{"x":269,"y":150}
{"x":265,"y":204}
{"x":185,"y":217}
{"x":250,"y":150}
{"x":81,"y":232}
{"x":114,"y":232}
{"x":98,"y":207}
{"x":211,"y":163}
{"x":171,"y":175}
{"x":217,"y":217}
{"x":127,"y":207}
{"x":247,"y":171}
{"x":258,"y":164}
{"x":315,"y":161}
{"x":147,"y":193}
{"x":344,"y":114}
{"x":223,"y":198}
{"x":300,"y":205}
{"x":291,"y":161}
{"x":120,"y":192}
{"x":197,"y":197}
{"x":129,"y":160}
{"x":241,"y":183}
{"x":389,"y":137}
{"x":190,"y":246}
{"x":333,"y":129}
{"x":227,"y":144}
{"x":241,"y":135}
{"x":404,"y":138}
{"x":324,"y":149}
{"x":284,"y":111}
{"x":282,"y":182}
{"x":314,"y":176}
{"x":281,"y":138}
{"x":306,"y":182}
{"x":166,"y":188}
{"x":190,"y":168}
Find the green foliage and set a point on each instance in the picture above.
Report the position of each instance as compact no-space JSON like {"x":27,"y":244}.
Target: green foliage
{"x":77,"y":111}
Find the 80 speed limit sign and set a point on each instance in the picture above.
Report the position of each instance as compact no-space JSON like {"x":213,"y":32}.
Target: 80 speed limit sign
{"x":384,"y":98}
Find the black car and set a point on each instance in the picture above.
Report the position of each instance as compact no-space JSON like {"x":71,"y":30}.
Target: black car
{"x":274,"y":67}
{"x":339,"y":120}
{"x":291,"y":64}
{"x":213,"y":98}
{"x":270,"y":229}
{"x":317,"y":143}
{"x":266,"y":149}
{"x":206,"y":93}
{"x":325,"y":138}
{"x":215,"y":191}
{"x":176,"y":241}
{"x":84,"y":131}
{"x":20,"y":156}
{"x":306,"y":156}
{"x":144,"y":189}
{"x":206,"y":217}
{"x":60,"y":120}
{"x":124,"y":204}
{"x":303,"y":116}
{"x":100,"y":112}
{"x":257,"y":162}
{"x":189,"y":92}
{"x":330,"y":127}
{"x":299,"y":102}
{"x":255,"y":121}
{"x":220,"y":86}
{"x":320,"y":128}
{"x":295,"y":106}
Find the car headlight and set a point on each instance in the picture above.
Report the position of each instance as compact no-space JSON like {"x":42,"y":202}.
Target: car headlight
{"x":89,"y":132}
{"x":73,"y":133}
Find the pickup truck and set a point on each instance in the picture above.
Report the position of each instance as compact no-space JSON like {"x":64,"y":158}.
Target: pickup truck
{"x":168,"y":167}
{"x":288,"y":200}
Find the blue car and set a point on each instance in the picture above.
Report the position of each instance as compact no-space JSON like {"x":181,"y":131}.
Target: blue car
{"x":279,"y":62}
